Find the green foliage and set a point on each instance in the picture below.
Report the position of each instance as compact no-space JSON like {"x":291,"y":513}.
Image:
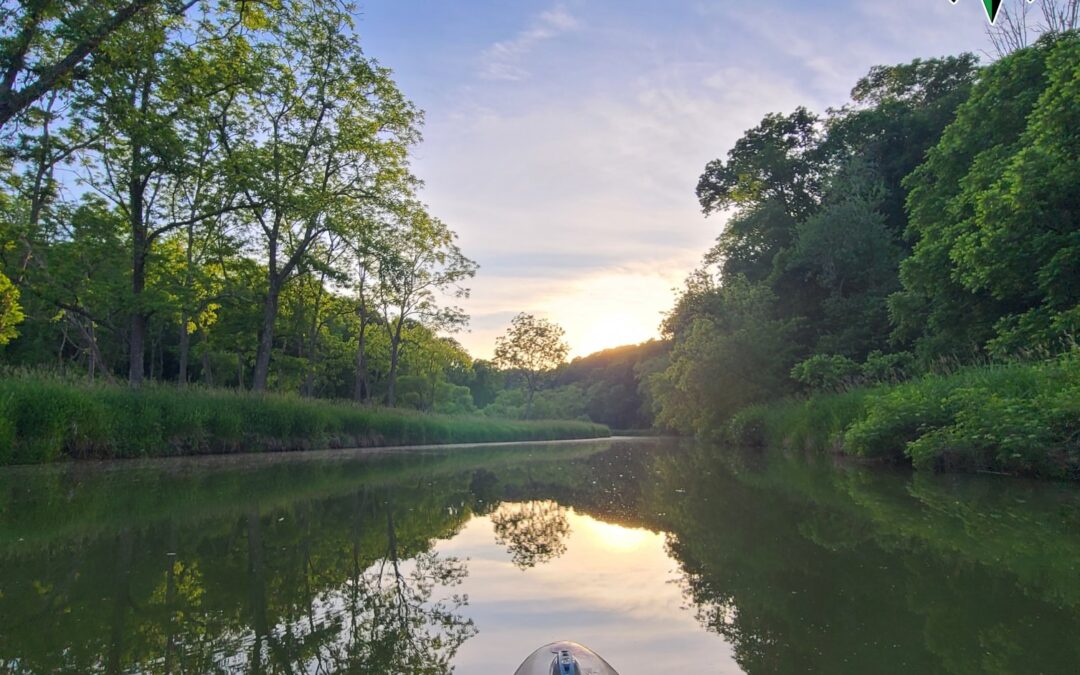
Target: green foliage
{"x":251,"y":204}
{"x":893,"y":368}
{"x":848,"y":256}
{"x":993,"y":216}
{"x":740,"y":354}
{"x":815,"y":424}
{"x":532,"y":348}
{"x":978,"y":169}
{"x":612,"y":384}
{"x":826,"y":372}
{"x":1017,"y":418}
{"x":11,"y":313}
{"x":817,"y":214}
{"x":43,"y":419}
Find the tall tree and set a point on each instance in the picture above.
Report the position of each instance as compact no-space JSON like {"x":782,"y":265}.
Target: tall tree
{"x":148,"y":110}
{"x":533,"y":347}
{"x":770,"y":181}
{"x":325,"y":126}
{"x":937,"y":309}
{"x":425,"y":262}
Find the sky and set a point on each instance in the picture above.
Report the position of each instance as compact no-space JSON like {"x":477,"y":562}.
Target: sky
{"x":563,"y":139}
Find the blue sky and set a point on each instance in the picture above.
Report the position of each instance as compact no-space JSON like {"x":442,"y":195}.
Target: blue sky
{"x":563,"y":140}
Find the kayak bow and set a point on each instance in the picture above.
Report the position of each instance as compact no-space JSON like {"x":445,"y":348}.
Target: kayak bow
{"x":564,"y":658}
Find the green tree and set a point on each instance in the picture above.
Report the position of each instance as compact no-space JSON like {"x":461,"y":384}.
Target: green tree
{"x":45,"y":43}
{"x":848,"y":251}
{"x":532,"y":347}
{"x":323,"y":127}
{"x":960,"y":200}
{"x":147,"y":111}
{"x":424,"y":263}
{"x":738,"y":354}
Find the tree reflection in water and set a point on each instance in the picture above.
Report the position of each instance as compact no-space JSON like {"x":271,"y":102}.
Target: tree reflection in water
{"x":323,"y":567}
{"x":533,"y":532}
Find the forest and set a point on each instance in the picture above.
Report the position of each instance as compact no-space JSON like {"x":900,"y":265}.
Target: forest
{"x":219,"y":194}
{"x":899,"y":277}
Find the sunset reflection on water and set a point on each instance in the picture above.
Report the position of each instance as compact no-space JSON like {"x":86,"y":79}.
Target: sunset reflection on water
{"x":614,"y":588}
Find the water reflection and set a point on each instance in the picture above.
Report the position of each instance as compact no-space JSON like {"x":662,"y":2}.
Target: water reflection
{"x":696,"y":558}
{"x":533,"y":532}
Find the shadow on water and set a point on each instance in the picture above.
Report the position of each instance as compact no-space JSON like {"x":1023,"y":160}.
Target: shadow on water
{"x":288,"y":564}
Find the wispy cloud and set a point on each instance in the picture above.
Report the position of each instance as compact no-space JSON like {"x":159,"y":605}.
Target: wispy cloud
{"x":504,"y":60}
{"x":576,"y":193}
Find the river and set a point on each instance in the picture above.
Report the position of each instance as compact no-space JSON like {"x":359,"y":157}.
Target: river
{"x":663,"y":556}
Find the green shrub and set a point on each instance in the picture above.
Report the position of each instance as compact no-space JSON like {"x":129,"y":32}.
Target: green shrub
{"x":1017,"y":418}
{"x":817,"y":423}
{"x":826,"y":372}
{"x":892,"y":368}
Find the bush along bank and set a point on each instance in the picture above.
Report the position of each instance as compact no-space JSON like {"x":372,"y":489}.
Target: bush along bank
{"x":1018,"y":418}
{"x":44,"y":419}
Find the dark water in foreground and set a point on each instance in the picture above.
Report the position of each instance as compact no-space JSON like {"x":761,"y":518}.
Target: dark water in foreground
{"x":664,"y":559}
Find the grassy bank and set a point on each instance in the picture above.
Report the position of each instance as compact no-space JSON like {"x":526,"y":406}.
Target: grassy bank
{"x":1014,"y":418}
{"x":43,"y":420}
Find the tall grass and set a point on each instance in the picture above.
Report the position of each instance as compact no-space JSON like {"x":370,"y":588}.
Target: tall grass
{"x":817,"y":423}
{"x":43,"y":419}
{"x":1016,"y":418}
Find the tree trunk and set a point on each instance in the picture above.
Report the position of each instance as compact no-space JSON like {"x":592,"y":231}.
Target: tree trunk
{"x":207,"y":373}
{"x":529,"y":402}
{"x":312,"y":348}
{"x":137,"y":339}
{"x":360,"y":386}
{"x":153,"y":360}
{"x":391,"y":377}
{"x":185,"y":351}
{"x":266,"y":337}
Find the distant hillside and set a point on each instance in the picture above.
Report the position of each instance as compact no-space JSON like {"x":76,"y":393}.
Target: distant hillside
{"x":611,"y":382}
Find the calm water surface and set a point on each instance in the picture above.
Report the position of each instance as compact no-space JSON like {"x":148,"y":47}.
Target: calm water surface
{"x":665,"y":558}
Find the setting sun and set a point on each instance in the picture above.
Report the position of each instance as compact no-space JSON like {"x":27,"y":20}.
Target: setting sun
{"x":617,"y":307}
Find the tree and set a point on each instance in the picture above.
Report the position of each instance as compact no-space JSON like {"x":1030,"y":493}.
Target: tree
{"x":424,"y":262}
{"x":948,"y":304}
{"x":324,"y":128}
{"x":770,"y":181}
{"x":532,"y":347}
{"x":533,"y":532}
{"x":1024,"y":247}
{"x":50,"y":40}
{"x":848,"y":251}
{"x":738,"y":353}
{"x":148,"y":111}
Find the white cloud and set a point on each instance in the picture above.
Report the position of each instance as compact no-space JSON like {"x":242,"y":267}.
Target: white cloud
{"x":583,"y":209}
{"x":576,"y":193}
{"x":504,"y":60}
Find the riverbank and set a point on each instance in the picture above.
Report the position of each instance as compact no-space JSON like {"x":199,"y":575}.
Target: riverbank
{"x":1019,"y":418}
{"x":44,"y":420}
